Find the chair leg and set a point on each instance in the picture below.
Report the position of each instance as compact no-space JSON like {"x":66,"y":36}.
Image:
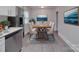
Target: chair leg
{"x":30,"y":36}
{"x":53,"y":37}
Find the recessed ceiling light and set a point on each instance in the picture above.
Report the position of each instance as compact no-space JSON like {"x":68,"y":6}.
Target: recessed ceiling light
{"x":42,"y":6}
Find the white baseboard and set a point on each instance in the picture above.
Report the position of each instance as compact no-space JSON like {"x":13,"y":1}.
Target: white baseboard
{"x":68,"y":42}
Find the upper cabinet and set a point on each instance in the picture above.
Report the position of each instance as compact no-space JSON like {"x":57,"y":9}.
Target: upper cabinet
{"x":20,"y":12}
{"x":8,"y":10}
{"x":12,"y":11}
{"x":3,"y":10}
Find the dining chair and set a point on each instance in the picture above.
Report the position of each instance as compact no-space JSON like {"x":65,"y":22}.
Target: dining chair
{"x":32,"y":31}
{"x":50,"y":31}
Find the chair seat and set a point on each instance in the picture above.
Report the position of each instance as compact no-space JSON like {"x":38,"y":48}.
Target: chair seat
{"x":49,"y":32}
{"x":34,"y":31}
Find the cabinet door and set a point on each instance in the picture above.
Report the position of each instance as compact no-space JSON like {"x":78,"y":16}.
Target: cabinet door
{"x":2,"y":44}
{"x":12,"y":11}
{"x":14,"y":42}
{"x":4,"y":10}
{"x":20,"y":37}
{"x":11,"y":45}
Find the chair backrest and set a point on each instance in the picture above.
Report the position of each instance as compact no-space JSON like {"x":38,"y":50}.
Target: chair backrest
{"x":38,"y":23}
{"x":45,"y":23}
{"x":30,"y":27}
{"x":50,"y":23}
{"x":52,"y":27}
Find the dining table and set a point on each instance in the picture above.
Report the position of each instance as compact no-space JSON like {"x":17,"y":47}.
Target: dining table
{"x":41,"y":32}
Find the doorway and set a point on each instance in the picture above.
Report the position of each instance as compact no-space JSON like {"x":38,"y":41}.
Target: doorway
{"x":56,"y":21}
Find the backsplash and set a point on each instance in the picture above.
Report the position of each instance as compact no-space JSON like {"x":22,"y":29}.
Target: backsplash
{"x":3,"y":18}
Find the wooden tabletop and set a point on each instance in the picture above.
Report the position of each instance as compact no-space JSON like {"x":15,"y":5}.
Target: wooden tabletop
{"x":41,"y":26}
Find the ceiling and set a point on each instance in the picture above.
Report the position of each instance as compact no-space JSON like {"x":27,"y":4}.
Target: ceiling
{"x":45,"y":7}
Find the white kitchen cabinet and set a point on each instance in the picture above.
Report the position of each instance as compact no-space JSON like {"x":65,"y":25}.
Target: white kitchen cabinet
{"x":12,"y":11}
{"x":13,"y":41}
{"x":8,"y":10}
{"x":2,"y":44}
{"x":3,"y":10}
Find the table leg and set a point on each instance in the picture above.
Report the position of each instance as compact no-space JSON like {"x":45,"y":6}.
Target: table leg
{"x":42,"y":34}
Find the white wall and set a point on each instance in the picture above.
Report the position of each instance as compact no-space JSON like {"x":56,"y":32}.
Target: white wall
{"x":51,"y":13}
{"x":70,"y":33}
{"x":26,"y":18}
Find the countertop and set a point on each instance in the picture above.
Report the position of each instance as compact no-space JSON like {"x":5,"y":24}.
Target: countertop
{"x":10,"y":30}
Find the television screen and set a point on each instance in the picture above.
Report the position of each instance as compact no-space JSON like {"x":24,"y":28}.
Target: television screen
{"x":71,"y":16}
{"x":42,"y":18}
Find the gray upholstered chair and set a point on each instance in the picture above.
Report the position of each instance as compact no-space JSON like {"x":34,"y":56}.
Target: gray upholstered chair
{"x":32,"y":31}
{"x":51,"y":30}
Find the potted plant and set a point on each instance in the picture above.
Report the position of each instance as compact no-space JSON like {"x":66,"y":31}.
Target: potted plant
{"x":1,"y":27}
{"x":32,"y":20}
{"x":5,"y":24}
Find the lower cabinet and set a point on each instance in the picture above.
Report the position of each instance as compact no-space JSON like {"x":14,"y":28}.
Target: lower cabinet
{"x":13,"y":42}
{"x":11,"y":45}
{"x":20,"y":34}
{"x":2,"y":44}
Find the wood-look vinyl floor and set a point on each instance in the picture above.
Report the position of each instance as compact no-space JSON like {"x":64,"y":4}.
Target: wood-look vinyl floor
{"x":54,"y":45}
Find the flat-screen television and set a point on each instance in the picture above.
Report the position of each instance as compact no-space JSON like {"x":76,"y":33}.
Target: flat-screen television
{"x":42,"y":18}
{"x":71,"y":16}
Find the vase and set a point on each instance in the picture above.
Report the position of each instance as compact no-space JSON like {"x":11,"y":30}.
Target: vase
{"x":6,"y":29}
